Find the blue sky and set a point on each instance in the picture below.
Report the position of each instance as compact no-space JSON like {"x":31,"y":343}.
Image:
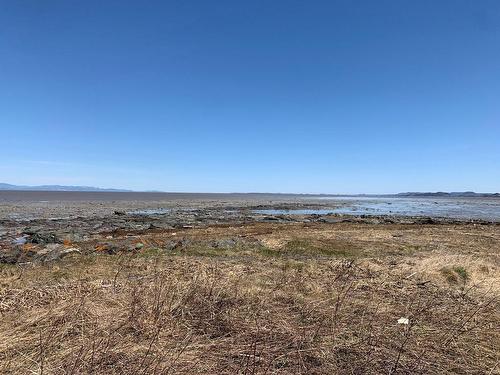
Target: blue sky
{"x":270,"y":96}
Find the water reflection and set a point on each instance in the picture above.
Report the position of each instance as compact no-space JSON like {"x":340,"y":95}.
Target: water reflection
{"x":459,"y":208}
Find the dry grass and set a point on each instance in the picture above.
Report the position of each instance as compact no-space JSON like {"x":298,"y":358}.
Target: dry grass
{"x":309,"y":306}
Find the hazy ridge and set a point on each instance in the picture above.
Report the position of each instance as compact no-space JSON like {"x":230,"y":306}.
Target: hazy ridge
{"x":4,"y":186}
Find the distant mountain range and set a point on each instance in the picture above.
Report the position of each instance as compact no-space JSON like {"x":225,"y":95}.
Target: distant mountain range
{"x":4,"y":186}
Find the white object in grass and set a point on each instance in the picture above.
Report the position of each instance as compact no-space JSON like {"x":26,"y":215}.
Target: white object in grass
{"x":403,"y":320}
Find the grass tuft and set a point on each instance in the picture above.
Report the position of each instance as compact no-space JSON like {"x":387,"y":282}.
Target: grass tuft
{"x":455,"y":274}
{"x":462,"y":273}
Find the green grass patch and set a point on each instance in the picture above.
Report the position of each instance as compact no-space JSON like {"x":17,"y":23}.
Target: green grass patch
{"x":449,"y":275}
{"x":308,"y":248}
{"x":462,"y":273}
{"x":267,"y":252}
{"x":311,"y":248}
{"x":60,"y":274}
{"x":151,"y":252}
{"x":455,"y":274}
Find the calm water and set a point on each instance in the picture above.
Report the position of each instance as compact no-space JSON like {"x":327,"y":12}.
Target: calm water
{"x":459,"y":208}
{"x":150,"y":211}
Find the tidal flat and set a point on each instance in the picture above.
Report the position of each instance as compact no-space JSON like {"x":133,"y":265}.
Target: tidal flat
{"x":244,"y":284}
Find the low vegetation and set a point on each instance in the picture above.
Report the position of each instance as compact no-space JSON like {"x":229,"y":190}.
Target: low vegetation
{"x":284,"y":301}
{"x":455,"y":274}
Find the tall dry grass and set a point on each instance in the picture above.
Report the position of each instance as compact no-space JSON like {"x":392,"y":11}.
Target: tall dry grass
{"x":253,"y":315}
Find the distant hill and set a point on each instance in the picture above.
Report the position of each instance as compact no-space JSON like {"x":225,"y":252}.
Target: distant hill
{"x":4,"y":186}
{"x":463,"y":194}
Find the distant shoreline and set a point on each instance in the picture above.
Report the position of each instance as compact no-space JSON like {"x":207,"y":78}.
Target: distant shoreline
{"x":91,"y":189}
{"x":106,"y":196}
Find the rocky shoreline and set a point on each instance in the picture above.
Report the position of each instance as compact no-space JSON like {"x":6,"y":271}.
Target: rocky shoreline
{"x":84,"y":227}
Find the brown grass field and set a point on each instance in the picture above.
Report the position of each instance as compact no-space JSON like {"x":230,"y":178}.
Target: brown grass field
{"x":261,"y":299}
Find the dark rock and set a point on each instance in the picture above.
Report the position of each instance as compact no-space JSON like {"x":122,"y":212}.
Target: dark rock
{"x":120,"y":213}
{"x":270,"y":218}
{"x":42,"y":238}
{"x":330,"y":220}
{"x":113,"y":249}
{"x":427,"y":220}
{"x":109,"y":248}
{"x":182,"y":226}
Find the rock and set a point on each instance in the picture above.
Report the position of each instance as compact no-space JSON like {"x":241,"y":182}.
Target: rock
{"x":329,"y":219}
{"x":49,"y":248}
{"x":73,"y":237}
{"x":42,"y":238}
{"x":270,"y":218}
{"x":185,"y":242}
{"x":67,"y":251}
{"x":138,"y":246}
{"x":173,"y":245}
{"x":120,"y":213}
{"x":55,"y":252}
{"x":427,"y":220}
{"x":182,"y":226}
{"x":225,"y":243}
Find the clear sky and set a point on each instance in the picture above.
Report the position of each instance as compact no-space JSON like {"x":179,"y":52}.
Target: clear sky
{"x":273,"y":96}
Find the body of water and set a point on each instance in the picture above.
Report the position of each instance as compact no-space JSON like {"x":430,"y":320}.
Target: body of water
{"x":458,"y":208}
